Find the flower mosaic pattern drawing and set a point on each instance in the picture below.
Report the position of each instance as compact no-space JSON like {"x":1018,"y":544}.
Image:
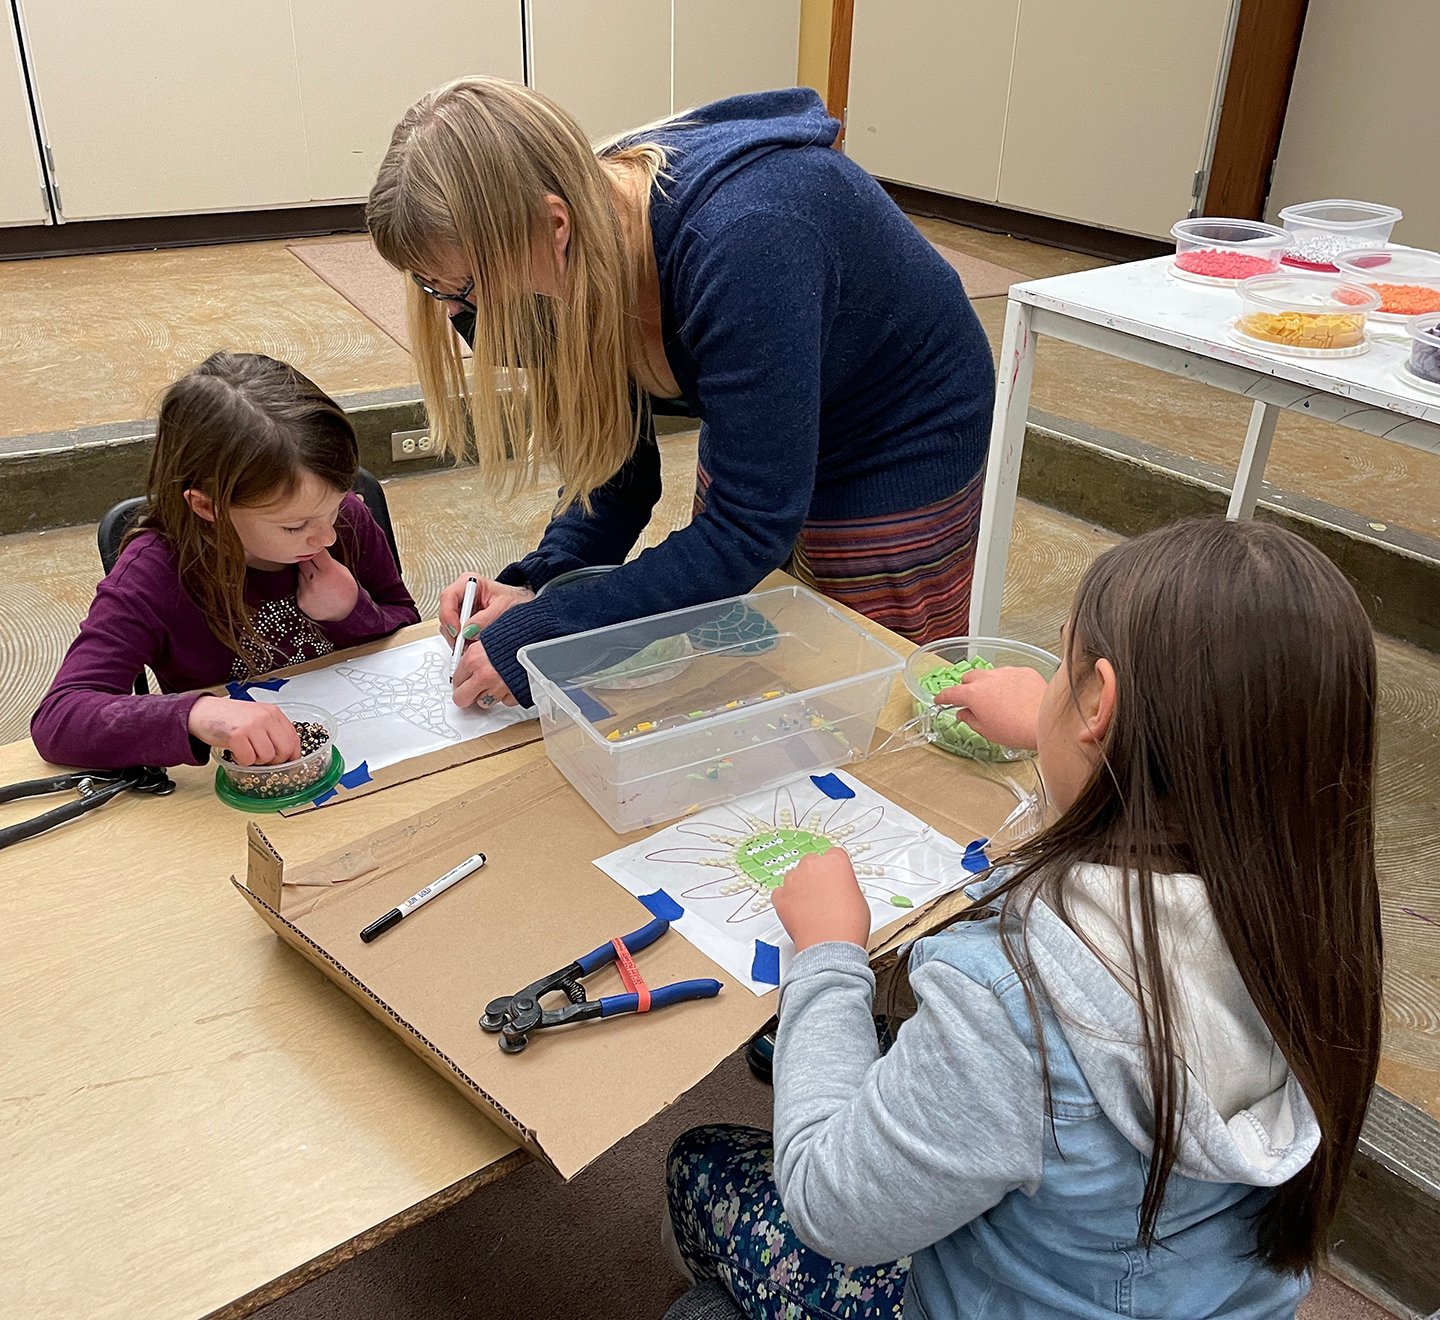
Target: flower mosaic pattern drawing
{"x":720,"y":868}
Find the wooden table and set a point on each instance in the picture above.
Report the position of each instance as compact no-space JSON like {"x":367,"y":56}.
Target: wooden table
{"x":192,"y":1114}
{"x":1141,"y":313}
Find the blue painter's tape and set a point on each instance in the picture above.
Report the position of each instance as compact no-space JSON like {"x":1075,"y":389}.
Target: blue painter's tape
{"x":663,"y":906}
{"x":766,"y":966}
{"x":323,"y":798}
{"x":589,"y":707}
{"x":242,"y":691}
{"x":976,"y":858}
{"x":354,"y":778}
{"x":833,"y":787}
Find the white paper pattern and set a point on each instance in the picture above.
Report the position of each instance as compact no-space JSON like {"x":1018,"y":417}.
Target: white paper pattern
{"x":722,"y":864}
{"x":393,"y":705}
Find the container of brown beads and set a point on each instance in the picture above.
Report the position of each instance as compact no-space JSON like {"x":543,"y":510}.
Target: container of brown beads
{"x":291,"y":783}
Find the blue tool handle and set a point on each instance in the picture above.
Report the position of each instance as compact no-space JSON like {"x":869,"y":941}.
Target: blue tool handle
{"x":640,"y":939}
{"x":661,"y":997}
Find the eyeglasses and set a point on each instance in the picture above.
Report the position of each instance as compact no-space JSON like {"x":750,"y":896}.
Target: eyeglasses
{"x":461,"y":296}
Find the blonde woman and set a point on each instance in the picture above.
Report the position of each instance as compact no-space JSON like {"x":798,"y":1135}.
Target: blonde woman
{"x":728,"y":262}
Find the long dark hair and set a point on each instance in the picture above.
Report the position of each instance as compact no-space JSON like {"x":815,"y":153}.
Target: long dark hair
{"x":1242,"y":749}
{"x":243,"y":429}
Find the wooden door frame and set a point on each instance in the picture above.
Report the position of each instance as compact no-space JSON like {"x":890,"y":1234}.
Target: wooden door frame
{"x":1252,"y":107}
{"x":837,"y":80}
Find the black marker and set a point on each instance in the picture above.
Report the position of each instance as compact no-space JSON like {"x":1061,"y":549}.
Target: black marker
{"x":398,"y":914}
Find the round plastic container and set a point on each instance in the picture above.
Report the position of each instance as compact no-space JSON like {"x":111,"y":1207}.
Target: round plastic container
{"x":275,"y":787}
{"x":577,"y":575}
{"x":1423,"y":367}
{"x":1305,"y":315}
{"x":1212,"y":251}
{"x":931,"y":669}
{"x":1407,"y":280}
{"x":1322,"y":231}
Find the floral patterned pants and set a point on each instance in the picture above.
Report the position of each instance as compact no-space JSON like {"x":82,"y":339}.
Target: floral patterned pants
{"x":729,"y":1225}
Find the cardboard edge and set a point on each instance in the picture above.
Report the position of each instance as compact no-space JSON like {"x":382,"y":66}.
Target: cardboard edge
{"x":419,"y":1044}
{"x":508,"y":739}
{"x":264,"y":867}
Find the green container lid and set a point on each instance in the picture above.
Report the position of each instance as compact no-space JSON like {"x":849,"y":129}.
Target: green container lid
{"x":231,"y":797}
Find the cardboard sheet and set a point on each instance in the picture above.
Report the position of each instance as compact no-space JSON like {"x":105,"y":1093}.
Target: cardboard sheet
{"x":538,"y":904}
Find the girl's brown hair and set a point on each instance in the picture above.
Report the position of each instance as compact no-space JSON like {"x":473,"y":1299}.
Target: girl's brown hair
{"x":1242,"y":749}
{"x":242,"y":429}
{"x":468,"y":171}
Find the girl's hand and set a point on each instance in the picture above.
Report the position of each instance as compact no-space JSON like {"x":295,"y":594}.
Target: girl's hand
{"x":820,"y":901}
{"x":492,"y":599}
{"x":476,"y":681}
{"x":1002,"y":705}
{"x":327,"y":591}
{"x":253,"y":732}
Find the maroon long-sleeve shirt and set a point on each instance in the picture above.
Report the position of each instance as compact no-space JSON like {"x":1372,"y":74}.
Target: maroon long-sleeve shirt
{"x":143,"y":617}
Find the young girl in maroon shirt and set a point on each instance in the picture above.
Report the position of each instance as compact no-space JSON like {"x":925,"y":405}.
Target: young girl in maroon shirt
{"x":252,"y":554}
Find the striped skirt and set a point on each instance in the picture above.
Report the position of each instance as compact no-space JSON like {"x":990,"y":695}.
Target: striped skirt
{"x":909,"y":572}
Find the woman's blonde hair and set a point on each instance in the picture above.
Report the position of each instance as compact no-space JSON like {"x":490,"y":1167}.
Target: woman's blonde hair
{"x":468,"y":170}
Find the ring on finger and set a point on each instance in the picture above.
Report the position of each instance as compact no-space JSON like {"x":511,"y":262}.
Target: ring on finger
{"x":487,"y":701}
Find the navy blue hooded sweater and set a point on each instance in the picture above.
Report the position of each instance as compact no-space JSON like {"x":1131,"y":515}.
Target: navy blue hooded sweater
{"x":837,"y":365}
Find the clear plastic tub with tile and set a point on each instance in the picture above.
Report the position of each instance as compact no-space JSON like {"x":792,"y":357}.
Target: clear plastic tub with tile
{"x":1213,"y":250}
{"x":1304,"y":315}
{"x":1407,"y":280}
{"x":1421,"y":370}
{"x":1322,"y":231}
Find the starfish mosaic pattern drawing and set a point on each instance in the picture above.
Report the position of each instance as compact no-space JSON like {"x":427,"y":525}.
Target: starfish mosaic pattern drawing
{"x":418,"y":697}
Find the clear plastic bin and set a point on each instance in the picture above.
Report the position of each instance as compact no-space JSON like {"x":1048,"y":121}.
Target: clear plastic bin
{"x":1216,"y":251}
{"x":274,"y":787}
{"x":1407,"y":280}
{"x":765,"y":687}
{"x":1305,"y":315}
{"x":1322,"y":231}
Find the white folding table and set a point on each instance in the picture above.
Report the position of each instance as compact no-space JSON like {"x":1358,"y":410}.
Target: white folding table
{"x":1141,"y":313}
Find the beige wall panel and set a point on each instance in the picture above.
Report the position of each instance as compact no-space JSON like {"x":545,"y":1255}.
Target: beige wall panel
{"x":608,"y":66}
{"x":1110,"y":108}
{"x":738,"y":46}
{"x":168,"y":106}
{"x":363,"y":63}
{"x":1362,"y":110}
{"x":22,"y":187}
{"x":928,"y":85}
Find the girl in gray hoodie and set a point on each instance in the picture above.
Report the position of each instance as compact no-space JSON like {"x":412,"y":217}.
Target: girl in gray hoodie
{"x":1137,"y":1071}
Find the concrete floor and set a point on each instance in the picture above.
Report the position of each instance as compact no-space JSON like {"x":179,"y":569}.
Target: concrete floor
{"x":132,"y":322}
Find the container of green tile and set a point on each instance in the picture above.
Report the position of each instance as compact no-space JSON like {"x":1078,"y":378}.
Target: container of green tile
{"x":933,"y":668}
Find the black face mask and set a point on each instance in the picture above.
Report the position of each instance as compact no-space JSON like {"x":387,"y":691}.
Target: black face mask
{"x":464,"y":323}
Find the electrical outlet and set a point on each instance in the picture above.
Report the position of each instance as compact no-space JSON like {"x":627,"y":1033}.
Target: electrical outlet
{"x":410,"y":444}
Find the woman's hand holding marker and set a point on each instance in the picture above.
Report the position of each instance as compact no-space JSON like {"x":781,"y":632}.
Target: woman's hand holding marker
{"x":819,"y":902}
{"x":493,"y":598}
{"x":253,"y":732}
{"x":327,"y":591}
{"x":1002,"y":704}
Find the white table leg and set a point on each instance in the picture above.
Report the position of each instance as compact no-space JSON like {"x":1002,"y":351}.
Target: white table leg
{"x":1002,"y":470}
{"x":1251,"y":471}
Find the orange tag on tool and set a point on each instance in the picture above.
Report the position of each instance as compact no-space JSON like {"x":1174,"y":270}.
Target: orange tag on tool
{"x":630,"y":976}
